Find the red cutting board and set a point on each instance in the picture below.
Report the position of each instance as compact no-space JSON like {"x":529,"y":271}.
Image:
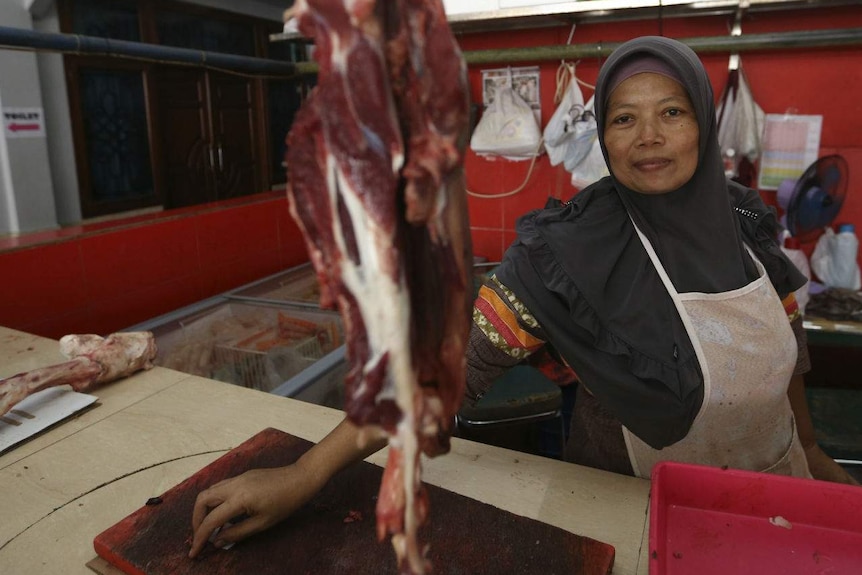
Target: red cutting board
{"x":465,"y":536}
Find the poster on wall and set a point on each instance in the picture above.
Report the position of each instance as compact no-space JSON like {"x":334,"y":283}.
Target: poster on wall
{"x":24,"y":122}
{"x":791,"y":143}
{"x":525,"y":81}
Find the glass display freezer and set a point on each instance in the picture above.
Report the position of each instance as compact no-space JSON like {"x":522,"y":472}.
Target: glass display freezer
{"x":270,"y":343}
{"x":298,"y":286}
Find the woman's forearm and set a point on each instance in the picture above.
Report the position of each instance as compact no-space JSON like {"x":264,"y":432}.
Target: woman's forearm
{"x":799,"y":405}
{"x":346,"y":444}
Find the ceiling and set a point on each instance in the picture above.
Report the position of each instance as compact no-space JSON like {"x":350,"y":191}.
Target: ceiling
{"x":559,"y":13}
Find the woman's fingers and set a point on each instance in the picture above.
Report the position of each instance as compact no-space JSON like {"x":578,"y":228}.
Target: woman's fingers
{"x":212,"y":510}
{"x":260,"y":497}
{"x":233,"y":532}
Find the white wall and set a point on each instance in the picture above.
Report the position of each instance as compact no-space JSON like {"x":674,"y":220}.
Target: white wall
{"x":64,"y":174}
{"x":26,"y":191}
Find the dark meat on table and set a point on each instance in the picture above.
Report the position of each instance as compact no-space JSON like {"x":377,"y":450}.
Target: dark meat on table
{"x":94,"y":361}
{"x":375,"y":160}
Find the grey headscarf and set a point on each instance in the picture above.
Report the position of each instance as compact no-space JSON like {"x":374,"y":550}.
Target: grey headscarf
{"x":693,"y":229}
{"x":582,"y":271}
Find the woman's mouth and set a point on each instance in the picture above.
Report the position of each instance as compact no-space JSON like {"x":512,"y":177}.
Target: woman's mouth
{"x":652,"y":164}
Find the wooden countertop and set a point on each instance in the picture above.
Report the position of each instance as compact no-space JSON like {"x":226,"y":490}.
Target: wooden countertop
{"x":151,"y":431}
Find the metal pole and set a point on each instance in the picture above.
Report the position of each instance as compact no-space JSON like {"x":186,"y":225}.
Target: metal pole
{"x":70,"y":43}
{"x":708,"y":44}
{"x":75,"y":44}
{"x":742,"y":43}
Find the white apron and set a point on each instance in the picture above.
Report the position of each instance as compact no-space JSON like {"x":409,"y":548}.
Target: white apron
{"x":747,"y":353}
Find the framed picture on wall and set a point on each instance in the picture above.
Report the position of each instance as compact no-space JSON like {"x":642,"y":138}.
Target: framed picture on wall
{"x":524,"y":80}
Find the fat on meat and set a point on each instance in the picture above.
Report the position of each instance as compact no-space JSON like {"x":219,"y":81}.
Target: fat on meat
{"x":376,"y":183}
{"x":93,"y":361}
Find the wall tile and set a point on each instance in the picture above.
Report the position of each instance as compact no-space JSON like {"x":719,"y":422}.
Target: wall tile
{"x":291,"y":243}
{"x":72,"y":321}
{"x":229,"y":235}
{"x":484,"y":177}
{"x":40,"y":283}
{"x":137,"y":257}
{"x":487,"y":243}
{"x":517,"y":206}
{"x":508,"y":237}
{"x":136,"y":306}
{"x":220,"y":277}
{"x":485,"y":213}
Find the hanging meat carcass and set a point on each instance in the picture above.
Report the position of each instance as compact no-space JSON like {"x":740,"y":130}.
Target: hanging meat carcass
{"x":375,"y":161}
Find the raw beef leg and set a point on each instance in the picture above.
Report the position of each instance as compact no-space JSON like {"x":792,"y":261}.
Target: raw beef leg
{"x":376,"y":184}
{"x":94,"y":361}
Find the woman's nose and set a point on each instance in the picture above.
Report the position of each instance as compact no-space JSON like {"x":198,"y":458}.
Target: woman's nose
{"x":649,"y":132}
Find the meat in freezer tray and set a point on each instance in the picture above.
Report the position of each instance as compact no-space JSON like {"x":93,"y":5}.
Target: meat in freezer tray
{"x":375,"y":160}
{"x":259,"y":347}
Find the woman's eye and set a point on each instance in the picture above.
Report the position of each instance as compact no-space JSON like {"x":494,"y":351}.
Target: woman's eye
{"x":622,"y":119}
{"x":675,"y":112}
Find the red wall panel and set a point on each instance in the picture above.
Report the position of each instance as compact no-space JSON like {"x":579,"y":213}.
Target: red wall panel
{"x":100,"y":280}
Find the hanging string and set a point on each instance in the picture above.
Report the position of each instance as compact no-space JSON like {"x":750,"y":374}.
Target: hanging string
{"x":523,"y":184}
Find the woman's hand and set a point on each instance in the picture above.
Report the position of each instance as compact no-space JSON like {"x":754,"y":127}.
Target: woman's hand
{"x":825,"y":468}
{"x":820,"y":465}
{"x":263,"y":497}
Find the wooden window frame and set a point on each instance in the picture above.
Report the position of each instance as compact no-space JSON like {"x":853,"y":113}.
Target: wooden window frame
{"x":147,"y":10}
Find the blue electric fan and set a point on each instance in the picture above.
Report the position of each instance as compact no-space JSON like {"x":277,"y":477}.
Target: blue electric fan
{"x":817,"y":197}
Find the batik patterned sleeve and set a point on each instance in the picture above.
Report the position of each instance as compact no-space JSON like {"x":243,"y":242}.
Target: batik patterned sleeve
{"x":791,"y":307}
{"x":506,"y":321}
{"x":503,"y":334}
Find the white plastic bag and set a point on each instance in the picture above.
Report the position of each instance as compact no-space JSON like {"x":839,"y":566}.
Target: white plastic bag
{"x":740,"y":123}
{"x":560,"y":128}
{"x":571,"y":131}
{"x":592,"y":166}
{"x":507,"y":128}
{"x":834,"y":260}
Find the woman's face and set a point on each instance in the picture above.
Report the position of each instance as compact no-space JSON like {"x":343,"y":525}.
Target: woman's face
{"x":651,"y":134}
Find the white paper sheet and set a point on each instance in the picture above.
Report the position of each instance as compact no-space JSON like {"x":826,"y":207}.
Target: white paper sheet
{"x":791,"y":143}
{"x":38,"y":412}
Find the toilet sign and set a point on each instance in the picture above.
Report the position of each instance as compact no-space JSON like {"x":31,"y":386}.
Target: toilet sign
{"x":24,"y":122}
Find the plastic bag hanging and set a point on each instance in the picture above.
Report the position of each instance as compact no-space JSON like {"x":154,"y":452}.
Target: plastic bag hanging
{"x":571,"y":130}
{"x":740,"y":125}
{"x":592,"y":166}
{"x":508,"y":127}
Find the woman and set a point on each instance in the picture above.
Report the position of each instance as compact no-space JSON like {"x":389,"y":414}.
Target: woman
{"x":661,"y":286}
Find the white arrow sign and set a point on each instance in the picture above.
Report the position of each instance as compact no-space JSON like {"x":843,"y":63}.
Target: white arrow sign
{"x":24,"y":122}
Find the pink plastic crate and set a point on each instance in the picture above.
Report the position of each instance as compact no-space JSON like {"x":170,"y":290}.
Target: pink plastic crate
{"x":706,"y":520}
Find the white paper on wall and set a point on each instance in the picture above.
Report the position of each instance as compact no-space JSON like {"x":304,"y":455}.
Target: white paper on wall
{"x":791,"y":143}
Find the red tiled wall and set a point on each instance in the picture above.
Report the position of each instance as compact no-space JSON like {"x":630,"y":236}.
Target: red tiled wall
{"x":806,"y":81}
{"x":103,"y":280}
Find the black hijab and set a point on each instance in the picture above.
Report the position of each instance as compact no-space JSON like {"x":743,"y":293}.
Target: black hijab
{"x":582,"y":271}
{"x":693,"y":229}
